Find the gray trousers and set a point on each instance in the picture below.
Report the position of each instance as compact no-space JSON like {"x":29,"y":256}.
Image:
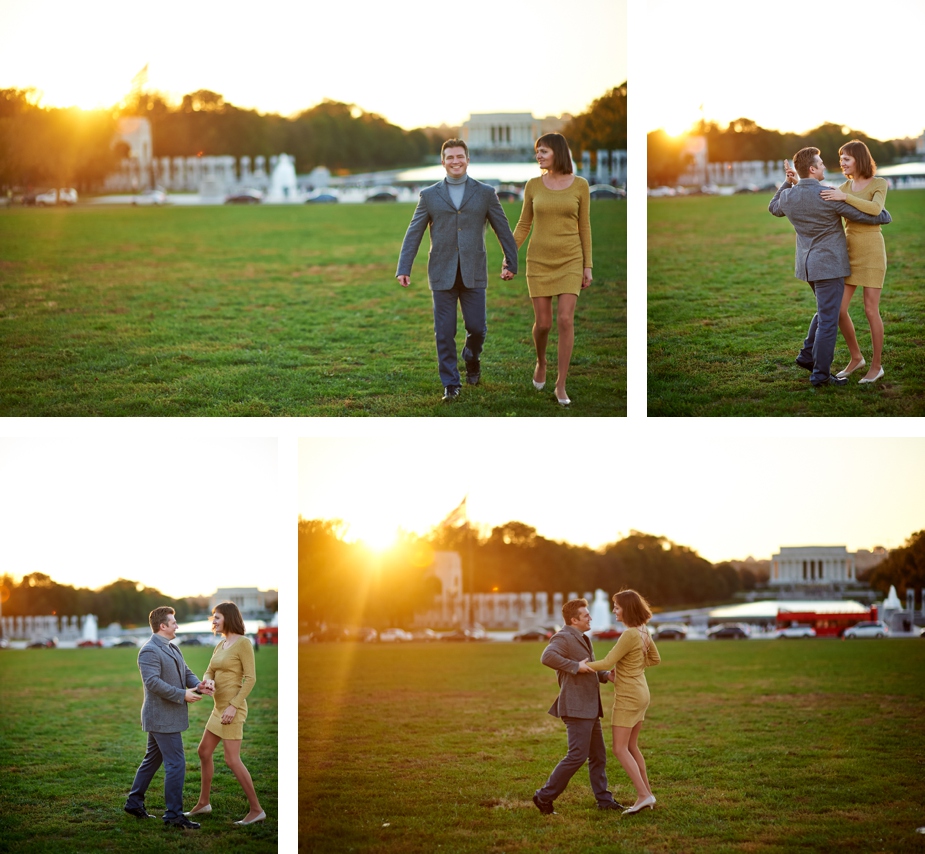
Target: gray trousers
{"x":166,"y":748}
{"x":819,"y":345}
{"x":585,"y":742}
{"x":472,"y":303}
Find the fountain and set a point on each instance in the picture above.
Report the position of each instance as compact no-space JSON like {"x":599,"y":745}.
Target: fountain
{"x":600,"y":611}
{"x":283,"y":186}
{"x":90,"y":631}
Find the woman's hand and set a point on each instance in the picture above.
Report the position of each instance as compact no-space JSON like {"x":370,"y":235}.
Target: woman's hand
{"x":505,"y":273}
{"x":586,"y":278}
{"x":831,"y":195}
{"x":228,"y":715}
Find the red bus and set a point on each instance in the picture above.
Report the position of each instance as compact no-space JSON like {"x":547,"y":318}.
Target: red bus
{"x":270,"y":634}
{"x":828,"y":624}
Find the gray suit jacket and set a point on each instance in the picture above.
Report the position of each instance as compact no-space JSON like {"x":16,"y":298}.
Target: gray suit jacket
{"x":457,"y":237}
{"x":579,"y":693}
{"x":166,"y":678}
{"x":822,"y":252}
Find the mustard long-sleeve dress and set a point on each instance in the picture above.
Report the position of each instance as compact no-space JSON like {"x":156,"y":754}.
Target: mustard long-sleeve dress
{"x":630,"y":690}
{"x":235,"y":673}
{"x":866,"y":250}
{"x":560,"y":247}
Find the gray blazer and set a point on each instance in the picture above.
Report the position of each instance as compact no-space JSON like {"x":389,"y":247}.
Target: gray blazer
{"x":457,"y":237}
{"x":579,"y":693}
{"x":822,"y":252}
{"x":166,"y":678}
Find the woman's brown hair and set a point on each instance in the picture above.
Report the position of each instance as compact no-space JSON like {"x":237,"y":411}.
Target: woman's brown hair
{"x":864,"y":165}
{"x":561,"y":158}
{"x":636,"y":611}
{"x":234,"y":622}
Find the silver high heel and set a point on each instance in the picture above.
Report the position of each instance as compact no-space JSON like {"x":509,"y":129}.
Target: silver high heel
{"x":872,"y":379}
{"x":846,"y":373}
{"x":536,"y":385}
{"x":260,"y":817}
{"x":201,"y":811}
{"x":648,"y":802}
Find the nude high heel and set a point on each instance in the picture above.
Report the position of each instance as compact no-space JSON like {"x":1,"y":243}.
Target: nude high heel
{"x":646,"y":803}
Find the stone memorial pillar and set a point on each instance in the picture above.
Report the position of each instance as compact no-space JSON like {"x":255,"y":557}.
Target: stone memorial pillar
{"x":604,"y":170}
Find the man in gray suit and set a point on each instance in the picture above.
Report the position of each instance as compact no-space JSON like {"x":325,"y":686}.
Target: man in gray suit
{"x":821,"y":255}
{"x":456,"y":211}
{"x":579,"y":707}
{"x":169,"y":687}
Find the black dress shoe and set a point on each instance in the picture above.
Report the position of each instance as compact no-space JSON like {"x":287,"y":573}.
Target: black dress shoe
{"x":450,"y":393}
{"x":139,"y":812}
{"x":545,"y":807}
{"x":833,"y":380}
{"x":613,"y":805}
{"x":473,"y":372}
{"x":807,"y":366}
{"x":183,"y":822}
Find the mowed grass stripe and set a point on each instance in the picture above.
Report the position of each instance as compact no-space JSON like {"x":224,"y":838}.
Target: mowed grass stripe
{"x":271,"y":311}
{"x":727,"y":317}
{"x":775,"y":746}
{"x":71,"y":741}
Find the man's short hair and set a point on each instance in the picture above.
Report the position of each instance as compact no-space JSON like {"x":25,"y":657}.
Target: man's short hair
{"x":454,"y":143}
{"x":571,"y":608}
{"x":803,"y":160}
{"x":864,"y":165}
{"x":158,"y":616}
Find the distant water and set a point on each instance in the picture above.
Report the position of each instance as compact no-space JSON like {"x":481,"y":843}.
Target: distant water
{"x":505,"y":173}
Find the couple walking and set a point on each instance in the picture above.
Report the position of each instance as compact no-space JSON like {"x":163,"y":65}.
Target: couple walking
{"x":169,"y":687}
{"x":835,"y":266}
{"x":579,"y":702}
{"x":456,"y":210}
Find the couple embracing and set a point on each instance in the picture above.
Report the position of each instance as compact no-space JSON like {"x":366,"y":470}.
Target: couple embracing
{"x":579,"y":707}
{"x":169,"y":688}
{"x":456,"y":211}
{"x":835,"y":261}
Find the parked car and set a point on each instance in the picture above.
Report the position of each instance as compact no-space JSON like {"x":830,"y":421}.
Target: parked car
{"x":796,"y":632}
{"x":509,"y":196}
{"x":605,"y":191}
{"x":190,"y":641}
{"x":611,"y":633}
{"x":538,"y":633}
{"x":383,"y":196}
{"x":671,"y":631}
{"x":43,"y":643}
{"x":729,"y":631}
{"x":64,"y":196}
{"x":394,"y":635}
{"x":126,"y":642}
{"x":424,"y":635}
{"x":867,"y":629}
{"x":89,"y":643}
{"x":322,"y":198}
{"x":244,"y":197}
{"x":150,"y":197}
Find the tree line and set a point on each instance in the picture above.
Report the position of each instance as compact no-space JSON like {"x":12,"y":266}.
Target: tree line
{"x":744,"y":139}
{"x":903,"y":567}
{"x":347,"y":584}
{"x":75,"y":148}
{"x":125,"y":602}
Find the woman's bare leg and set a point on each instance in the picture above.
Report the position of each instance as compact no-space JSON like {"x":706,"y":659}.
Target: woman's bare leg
{"x":621,"y":737}
{"x":206,"y":748}
{"x":542,"y":313}
{"x":565,"y":320}
{"x":847,"y":329}
{"x":872,"y":310}
{"x":242,"y":775}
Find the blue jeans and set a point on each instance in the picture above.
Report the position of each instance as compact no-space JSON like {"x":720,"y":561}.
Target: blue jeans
{"x":819,"y":344}
{"x":166,"y":748}
{"x":585,"y":742}
{"x":472,"y":302}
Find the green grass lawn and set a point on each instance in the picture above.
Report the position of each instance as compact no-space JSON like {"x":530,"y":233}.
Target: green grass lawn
{"x":763,"y":746}
{"x":726,"y":316}
{"x":71,"y":741}
{"x":272,"y":311}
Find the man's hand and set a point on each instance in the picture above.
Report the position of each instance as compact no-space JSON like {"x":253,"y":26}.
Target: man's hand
{"x":192,"y":696}
{"x":583,"y":666}
{"x":506,"y":274}
{"x":404,"y":281}
{"x":789,"y":173}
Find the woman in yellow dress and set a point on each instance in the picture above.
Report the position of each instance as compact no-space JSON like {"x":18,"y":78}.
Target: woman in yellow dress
{"x":556,"y":207}
{"x":634,"y":651}
{"x":866,"y":253}
{"x":231,"y":675}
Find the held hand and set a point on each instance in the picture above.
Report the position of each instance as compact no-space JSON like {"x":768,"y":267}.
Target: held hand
{"x":831,"y":195}
{"x":228,"y":715}
{"x":404,"y":281}
{"x":192,"y":696}
{"x":205,"y":688}
{"x":586,"y":278}
{"x":583,"y":666}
